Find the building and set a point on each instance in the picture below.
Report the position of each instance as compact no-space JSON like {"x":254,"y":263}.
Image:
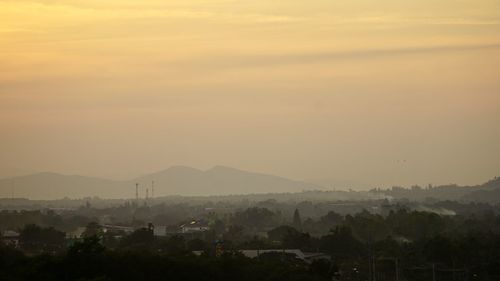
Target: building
{"x":117,"y":228}
{"x":307,"y":257}
{"x":194,"y":226}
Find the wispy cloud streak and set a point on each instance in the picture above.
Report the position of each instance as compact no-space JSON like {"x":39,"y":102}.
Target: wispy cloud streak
{"x":265,"y":60}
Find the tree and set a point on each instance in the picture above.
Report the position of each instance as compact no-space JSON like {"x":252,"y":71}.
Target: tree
{"x":234,"y":233}
{"x":196,"y":245}
{"x":323,"y":268}
{"x":342,"y":243}
{"x":35,"y":238}
{"x":88,"y":247}
{"x":368,"y":227}
{"x":331,"y":218}
{"x":142,"y":238}
{"x":93,"y":229}
{"x":297,"y":240}
{"x":176,"y":246}
{"x":440,"y":249}
{"x":279,"y":233}
{"x":297,"y":222}
{"x":218,"y":227}
{"x":290,"y":237}
{"x":254,"y":218}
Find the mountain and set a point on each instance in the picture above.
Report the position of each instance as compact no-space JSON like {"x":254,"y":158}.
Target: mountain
{"x":219,"y":180}
{"x":177,"y":180}
{"x":53,"y":185}
{"x":491,"y":184}
{"x":488,"y":192}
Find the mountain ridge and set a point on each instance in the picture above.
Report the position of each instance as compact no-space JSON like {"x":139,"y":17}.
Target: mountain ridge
{"x":217,"y":180}
{"x":175,"y":180}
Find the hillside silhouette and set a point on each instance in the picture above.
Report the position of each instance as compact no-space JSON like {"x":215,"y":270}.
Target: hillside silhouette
{"x":176,"y":180}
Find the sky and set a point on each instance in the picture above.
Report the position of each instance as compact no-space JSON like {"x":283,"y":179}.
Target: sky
{"x":355,"y":92}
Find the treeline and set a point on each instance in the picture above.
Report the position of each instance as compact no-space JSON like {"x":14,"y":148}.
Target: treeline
{"x":315,"y":214}
{"x":415,"y":245}
{"x":89,"y":260}
{"x":488,"y":192}
{"x":65,"y":221}
{"x":141,"y":256}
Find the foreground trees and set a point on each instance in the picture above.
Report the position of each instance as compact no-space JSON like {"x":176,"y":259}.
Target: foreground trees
{"x":141,"y":256}
{"x":404,"y":245}
{"x":88,"y":260}
{"x":37,"y":239}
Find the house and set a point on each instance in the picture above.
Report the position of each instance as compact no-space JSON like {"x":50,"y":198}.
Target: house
{"x":256,"y":253}
{"x":117,"y":228}
{"x":194,"y":226}
{"x":307,"y":257}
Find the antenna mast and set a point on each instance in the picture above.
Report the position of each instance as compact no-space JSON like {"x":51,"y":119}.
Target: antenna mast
{"x":152,"y":189}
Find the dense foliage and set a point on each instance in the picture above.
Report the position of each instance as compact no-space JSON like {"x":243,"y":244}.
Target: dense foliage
{"x":443,"y":240}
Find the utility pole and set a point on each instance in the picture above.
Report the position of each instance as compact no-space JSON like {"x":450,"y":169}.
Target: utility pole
{"x":370,"y":268}
{"x":397,"y":269}
{"x":396,"y":265}
{"x":152,"y":189}
{"x":433,"y":272}
{"x":372,"y":271}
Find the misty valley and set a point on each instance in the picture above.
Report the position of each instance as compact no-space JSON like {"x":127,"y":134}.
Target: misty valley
{"x":419,"y":233}
{"x":257,"y":140}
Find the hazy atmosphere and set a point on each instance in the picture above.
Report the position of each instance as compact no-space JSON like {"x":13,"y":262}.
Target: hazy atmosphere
{"x":344,"y":93}
{"x":271,"y":140}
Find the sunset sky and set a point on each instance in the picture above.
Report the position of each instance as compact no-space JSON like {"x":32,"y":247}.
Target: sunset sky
{"x":367,"y":92}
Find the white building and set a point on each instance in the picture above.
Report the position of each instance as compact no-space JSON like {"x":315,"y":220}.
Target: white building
{"x":194,"y":226}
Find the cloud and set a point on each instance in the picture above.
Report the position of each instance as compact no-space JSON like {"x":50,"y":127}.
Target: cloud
{"x":265,"y":60}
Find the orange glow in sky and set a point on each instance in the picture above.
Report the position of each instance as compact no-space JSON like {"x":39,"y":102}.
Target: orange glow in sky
{"x":303,"y":89}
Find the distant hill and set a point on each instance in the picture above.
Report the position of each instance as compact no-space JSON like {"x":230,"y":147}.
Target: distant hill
{"x":53,"y":186}
{"x":486,"y":192}
{"x":219,"y":180}
{"x":491,"y":184}
{"x":177,"y":180}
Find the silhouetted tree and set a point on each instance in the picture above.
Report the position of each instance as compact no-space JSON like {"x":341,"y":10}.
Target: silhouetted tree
{"x":279,"y":233}
{"x":297,"y":221}
{"x":35,"y":239}
{"x":93,"y":229}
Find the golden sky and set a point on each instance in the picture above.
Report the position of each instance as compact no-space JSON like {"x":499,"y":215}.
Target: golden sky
{"x":372,"y":92}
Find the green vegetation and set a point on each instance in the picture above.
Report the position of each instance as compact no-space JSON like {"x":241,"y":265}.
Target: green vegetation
{"x":418,"y":244}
